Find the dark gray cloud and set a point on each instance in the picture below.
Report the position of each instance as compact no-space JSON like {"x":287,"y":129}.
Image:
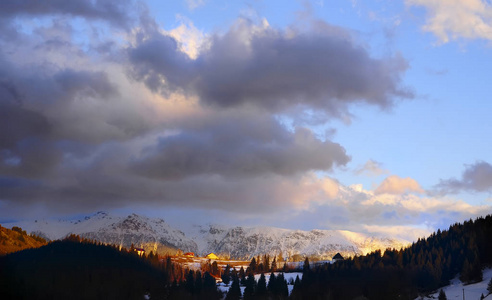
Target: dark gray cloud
{"x":238,"y":144}
{"x":476,"y":178}
{"x":115,"y":12}
{"x":273,"y":69}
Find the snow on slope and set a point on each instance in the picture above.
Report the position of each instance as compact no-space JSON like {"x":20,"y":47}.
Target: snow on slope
{"x":454,"y":291}
{"x":246,"y":242}
{"x":151,"y":234}
{"x":236,"y":242}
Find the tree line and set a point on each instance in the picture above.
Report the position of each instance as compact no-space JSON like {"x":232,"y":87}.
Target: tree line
{"x":420,"y":268}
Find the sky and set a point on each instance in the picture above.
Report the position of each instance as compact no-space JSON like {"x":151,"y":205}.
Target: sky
{"x":369,"y":116}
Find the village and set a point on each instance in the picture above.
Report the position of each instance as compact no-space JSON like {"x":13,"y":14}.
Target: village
{"x":216,"y":265}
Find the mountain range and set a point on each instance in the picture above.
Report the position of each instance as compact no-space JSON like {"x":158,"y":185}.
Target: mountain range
{"x":233,"y":242}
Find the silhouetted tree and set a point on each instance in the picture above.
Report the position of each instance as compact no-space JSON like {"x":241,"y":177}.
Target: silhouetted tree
{"x":274,"y":264}
{"x":442,"y":295}
{"x":234,"y":292}
{"x":253,"y":265}
{"x":250,"y":290}
{"x":261,"y":290}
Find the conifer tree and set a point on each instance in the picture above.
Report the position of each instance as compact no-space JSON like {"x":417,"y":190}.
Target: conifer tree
{"x":306,"y":266}
{"x":442,"y":295}
{"x":262,"y":286}
{"x":253,"y":265}
{"x":234,"y":292}
{"x":198,"y":282}
{"x":250,"y":290}
{"x":209,"y":288}
{"x":266,"y":262}
{"x":489,"y":287}
{"x":274,"y":264}
{"x":272,"y":283}
{"x":282,"y":288}
{"x":242,"y":276}
{"x":190,"y":282}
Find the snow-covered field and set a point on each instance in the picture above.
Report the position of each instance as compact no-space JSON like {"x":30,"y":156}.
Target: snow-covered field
{"x":288,"y":276}
{"x":454,"y":291}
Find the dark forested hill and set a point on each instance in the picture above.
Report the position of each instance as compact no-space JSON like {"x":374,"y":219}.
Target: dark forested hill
{"x":78,"y":270}
{"x":404,"y":274}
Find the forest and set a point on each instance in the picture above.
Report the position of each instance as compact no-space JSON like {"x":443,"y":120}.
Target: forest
{"x":77,"y":268}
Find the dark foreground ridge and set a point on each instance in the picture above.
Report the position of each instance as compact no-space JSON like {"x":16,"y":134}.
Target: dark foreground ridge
{"x":71,"y":269}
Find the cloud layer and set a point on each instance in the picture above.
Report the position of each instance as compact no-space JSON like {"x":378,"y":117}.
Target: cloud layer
{"x":451,"y":20}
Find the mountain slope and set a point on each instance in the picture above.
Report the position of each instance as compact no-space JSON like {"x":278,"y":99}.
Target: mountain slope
{"x":235,"y":242}
{"x":150,"y":234}
{"x":16,"y":239}
{"x":244,"y":242}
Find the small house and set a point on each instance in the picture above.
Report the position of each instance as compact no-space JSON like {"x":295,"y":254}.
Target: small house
{"x":140,"y":251}
{"x":189,"y":254}
{"x":212,"y":256}
{"x":337,"y":257}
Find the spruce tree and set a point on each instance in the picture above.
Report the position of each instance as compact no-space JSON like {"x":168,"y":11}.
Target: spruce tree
{"x":198,"y":282}
{"x":266,"y":262}
{"x":262,"y":286}
{"x":250,"y":290}
{"x":272,"y":283}
{"x":242,"y":276}
{"x":489,"y":286}
{"x":442,"y":295}
{"x":274,"y":264}
{"x":283,"y":289}
{"x":306,"y":266}
{"x":190,"y":282}
{"x":234,"y":292}
{"x":253,"y":265}
{"x":210,"y":288}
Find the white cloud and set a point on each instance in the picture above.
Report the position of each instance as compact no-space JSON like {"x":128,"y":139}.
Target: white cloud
{"x":371,"y":168}
{"x":454,"y":19}
{"x":396,"y":185}
{"x":192,"y":4}
{"x":189,"y":38}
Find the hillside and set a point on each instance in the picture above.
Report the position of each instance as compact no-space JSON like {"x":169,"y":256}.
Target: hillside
{"x":463,"y":250}
{"x":16,"y":239}
{"x":78,"y":270}
{"x":456,"y":288}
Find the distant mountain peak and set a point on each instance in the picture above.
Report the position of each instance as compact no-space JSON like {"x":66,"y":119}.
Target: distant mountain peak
{"x":234,"y":241}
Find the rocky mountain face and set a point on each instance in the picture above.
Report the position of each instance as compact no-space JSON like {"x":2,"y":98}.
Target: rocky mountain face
{"x":147,"y":233}
{"x":244,"y":243}
{"x":234,"y":242}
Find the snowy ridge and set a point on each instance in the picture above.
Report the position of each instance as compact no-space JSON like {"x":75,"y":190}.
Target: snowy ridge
{"x":234,"y":242}
{"x":246,"y":242}
{"x":151,"y":234}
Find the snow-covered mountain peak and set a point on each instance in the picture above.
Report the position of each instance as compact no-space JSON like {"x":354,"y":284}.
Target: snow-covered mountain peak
{"x":237,"y":242}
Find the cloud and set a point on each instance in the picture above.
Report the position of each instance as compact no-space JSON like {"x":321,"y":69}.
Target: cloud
{"x":115,"y":12}
{"x":476,"y":178}
{"x":212,"y":145}
{"x":396,"y":185}
{"x":451,"y":20}
{"x":257,"y":65}
{"x":192,"y":4}
{"x":371,"y":168}
{"x":95,"y":118}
